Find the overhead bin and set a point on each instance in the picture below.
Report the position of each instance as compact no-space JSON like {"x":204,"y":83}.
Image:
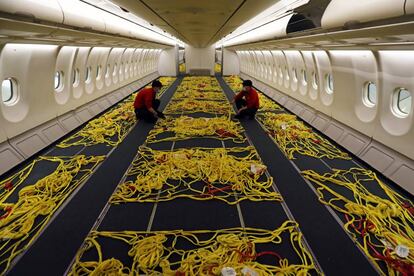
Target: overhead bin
{"x":71,"y":21}
{"x":40,"y":10}
{"x":268,"y":31}
{"x":341,"y":13}
{"x":47,"y":10}
{"x":82,"y":15}
{"x":298,"y":22}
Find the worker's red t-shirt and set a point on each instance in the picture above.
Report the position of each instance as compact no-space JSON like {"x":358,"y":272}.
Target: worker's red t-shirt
{"x":144,"y":98}
{"x":251,"y":97}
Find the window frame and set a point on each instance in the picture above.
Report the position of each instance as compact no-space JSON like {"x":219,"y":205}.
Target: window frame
{"x":75,"y":77}
{"x":304,"y":77}
{"x":60,"y":74}
{"x":88,"y":72}
{"x":366,"y":94}
{"x":315,"y":82}
{"x":329,"y":80}
{"x":398,"y":111}
{"x":14,"y":92}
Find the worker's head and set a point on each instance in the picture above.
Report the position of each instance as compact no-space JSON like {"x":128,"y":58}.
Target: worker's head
{"x":156,"y":85}
{"x":247,"y":85}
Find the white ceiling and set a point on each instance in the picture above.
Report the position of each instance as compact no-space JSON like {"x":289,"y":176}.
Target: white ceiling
{"x":197,"y":22}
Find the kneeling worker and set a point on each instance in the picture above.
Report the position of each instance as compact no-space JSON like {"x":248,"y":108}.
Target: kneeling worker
{"x":146,"y":105}
{"x":247,"y":101}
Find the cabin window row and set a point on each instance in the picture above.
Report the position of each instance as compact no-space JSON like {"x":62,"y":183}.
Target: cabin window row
{"x":59,"y":75}
{"x":9,"y":87}
{"x":402,"y":98}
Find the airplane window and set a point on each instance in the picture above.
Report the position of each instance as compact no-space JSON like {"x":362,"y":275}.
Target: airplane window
{"x":75,"y":80}
{"x":120,"y":68}
{"x":329,"y":83}
{"x":280,"y":72}
{"x":98,"y":72}
{"x":304,"y":77}
{"x":404,"y":101}
{"x":115,"y":68}
{"x":287,"y":73}
{"x":108,"y":68}
{"x":126,"y":67}
{"x":88,"y":74}
{"x":294,"y":74}
{"x":9,"y":91}
{"x":314,"y":80}
{"x":370,"y":94}
{"x":58,"y":80}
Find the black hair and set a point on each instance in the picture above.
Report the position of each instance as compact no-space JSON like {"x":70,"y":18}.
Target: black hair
{"x":156,"y":83}
{"x":247,"y":83}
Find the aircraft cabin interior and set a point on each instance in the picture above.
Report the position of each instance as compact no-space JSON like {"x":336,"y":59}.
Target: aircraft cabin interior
{"x":184,"y":137}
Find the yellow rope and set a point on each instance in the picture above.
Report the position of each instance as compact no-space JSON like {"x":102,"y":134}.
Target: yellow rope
{"x":111,"y":128}
{"x":383,"y":221}
{"x":161,"y":253}
{"x":266,"y":104}
{"x":217,"y":68}
{"x":293,"y":136}
{"x":181,"y":68}
{"x":192,"y":106}
{"x":22,"y":221}
{"x":187,"y":127}
{"x":223,"y":173}
{"x":200,"y":84}
{"x":196,"y":95}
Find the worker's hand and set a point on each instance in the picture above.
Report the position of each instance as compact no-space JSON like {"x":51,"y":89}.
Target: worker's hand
{"x":155,"y":114}
{"x":233,"y":101}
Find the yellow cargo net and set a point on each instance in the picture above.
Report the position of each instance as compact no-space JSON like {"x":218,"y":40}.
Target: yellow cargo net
{"x":193,"y":106}
{"x":230,"y":175}
{"x":234,"y":82}
{"x":22,"y":220}
{"x":111,"y":128}
{"x":293,"y":137}
{"x":381,"y":223}
{"x":181,"y":68}
{"x":211,"y":253}
{"x":217,"y":68}
{"x":266,"y":104}
{"x":200,"y":84}
{"x":195,"y":95}
{"x":185,"y":127}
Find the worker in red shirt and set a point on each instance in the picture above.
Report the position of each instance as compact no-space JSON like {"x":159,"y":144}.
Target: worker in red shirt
{"x":146,"y":105}
{"x":247,"y":101}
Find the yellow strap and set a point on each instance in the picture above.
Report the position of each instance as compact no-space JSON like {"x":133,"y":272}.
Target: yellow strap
{"x":220,"y":168}
{"x":385,"y":216}
{"x":212,"y":251}
{"x":24,"y":219}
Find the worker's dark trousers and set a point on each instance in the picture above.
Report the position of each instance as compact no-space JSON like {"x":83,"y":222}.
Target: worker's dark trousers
{"x":147,"y":116}
{"x":250,"y":112}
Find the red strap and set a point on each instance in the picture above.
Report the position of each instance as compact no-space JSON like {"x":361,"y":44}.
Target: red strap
{"x":268,"y":253}
{"x":216,"y":190}
{"x":8,"y":186}
{"x":404,"y":268}
{"x":8,"y":212}
{"x":224,"y":133}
